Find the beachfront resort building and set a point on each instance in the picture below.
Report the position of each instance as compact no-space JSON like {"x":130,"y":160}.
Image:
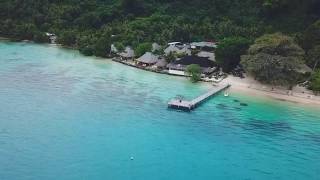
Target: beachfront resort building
{"x":148,"y":59}
{"x":161,"y":64}
{"x":127,"y":54}
{"x":179,"y":67}
{"x":202,"y":54}
{"x":178,"y":49}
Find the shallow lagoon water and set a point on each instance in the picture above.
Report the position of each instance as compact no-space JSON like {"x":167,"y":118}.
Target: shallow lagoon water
{"x":66,"y":116}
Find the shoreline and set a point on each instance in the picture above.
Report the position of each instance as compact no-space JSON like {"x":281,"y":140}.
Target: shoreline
{"x":250,"y":87}
{"x":246,"y":86}
{"x":4,"y":39}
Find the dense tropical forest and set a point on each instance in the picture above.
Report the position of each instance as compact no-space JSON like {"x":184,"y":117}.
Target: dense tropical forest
{"x":268,"y":36}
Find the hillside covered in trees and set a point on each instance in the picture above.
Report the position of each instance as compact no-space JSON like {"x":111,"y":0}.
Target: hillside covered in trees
{"x":93,"y":25}
{"x":92,"y":22}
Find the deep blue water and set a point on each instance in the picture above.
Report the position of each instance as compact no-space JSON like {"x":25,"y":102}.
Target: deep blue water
{"x":65,"y":116}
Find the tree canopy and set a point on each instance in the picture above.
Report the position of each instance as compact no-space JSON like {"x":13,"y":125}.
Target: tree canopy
{"x":311,"y":43}
{"x":82,"y":23}
{"x":143,"y":48}
{"x":313,"y":57}
{"x":315,"y":82}
{"x":229,"y":51}
{"x":194,"y":70}
{"x":274,"y":59}
{"x":311,"y":37}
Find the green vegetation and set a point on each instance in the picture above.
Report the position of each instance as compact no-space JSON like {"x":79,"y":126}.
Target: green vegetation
{"x":119,"y":46}
{"x":194,"y":71}
{"x":274,"y":59}
{"x":143,"y":48}
{"x":311,"y":43}
{"x":229,"y":51}
{"x":313,"y":57}
{"x":311,"y":36}
{"x":170,"y":57}
{"x":82,"y":23}
{"x":315,"y":82}
{"x":93,"y":25}
{"x":68,"y":38}
{"x":159,"y":51}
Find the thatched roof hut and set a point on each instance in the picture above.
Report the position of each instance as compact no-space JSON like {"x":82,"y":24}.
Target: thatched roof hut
{"x":148,"y":58}
{"x":177,"y":49}
{"x":162,"y":63}
{"x":128,"y":53}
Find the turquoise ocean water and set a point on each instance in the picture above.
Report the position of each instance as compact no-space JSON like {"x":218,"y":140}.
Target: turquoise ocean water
{"x":65,"y":116}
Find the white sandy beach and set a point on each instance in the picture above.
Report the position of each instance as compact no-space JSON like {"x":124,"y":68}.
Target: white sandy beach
{"x":250,"y":86}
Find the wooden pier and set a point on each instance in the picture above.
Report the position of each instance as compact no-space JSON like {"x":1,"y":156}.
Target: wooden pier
{"x":189,"y":105}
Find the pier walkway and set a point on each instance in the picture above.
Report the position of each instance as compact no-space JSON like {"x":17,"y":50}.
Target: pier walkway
{"x":189,"y":105}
